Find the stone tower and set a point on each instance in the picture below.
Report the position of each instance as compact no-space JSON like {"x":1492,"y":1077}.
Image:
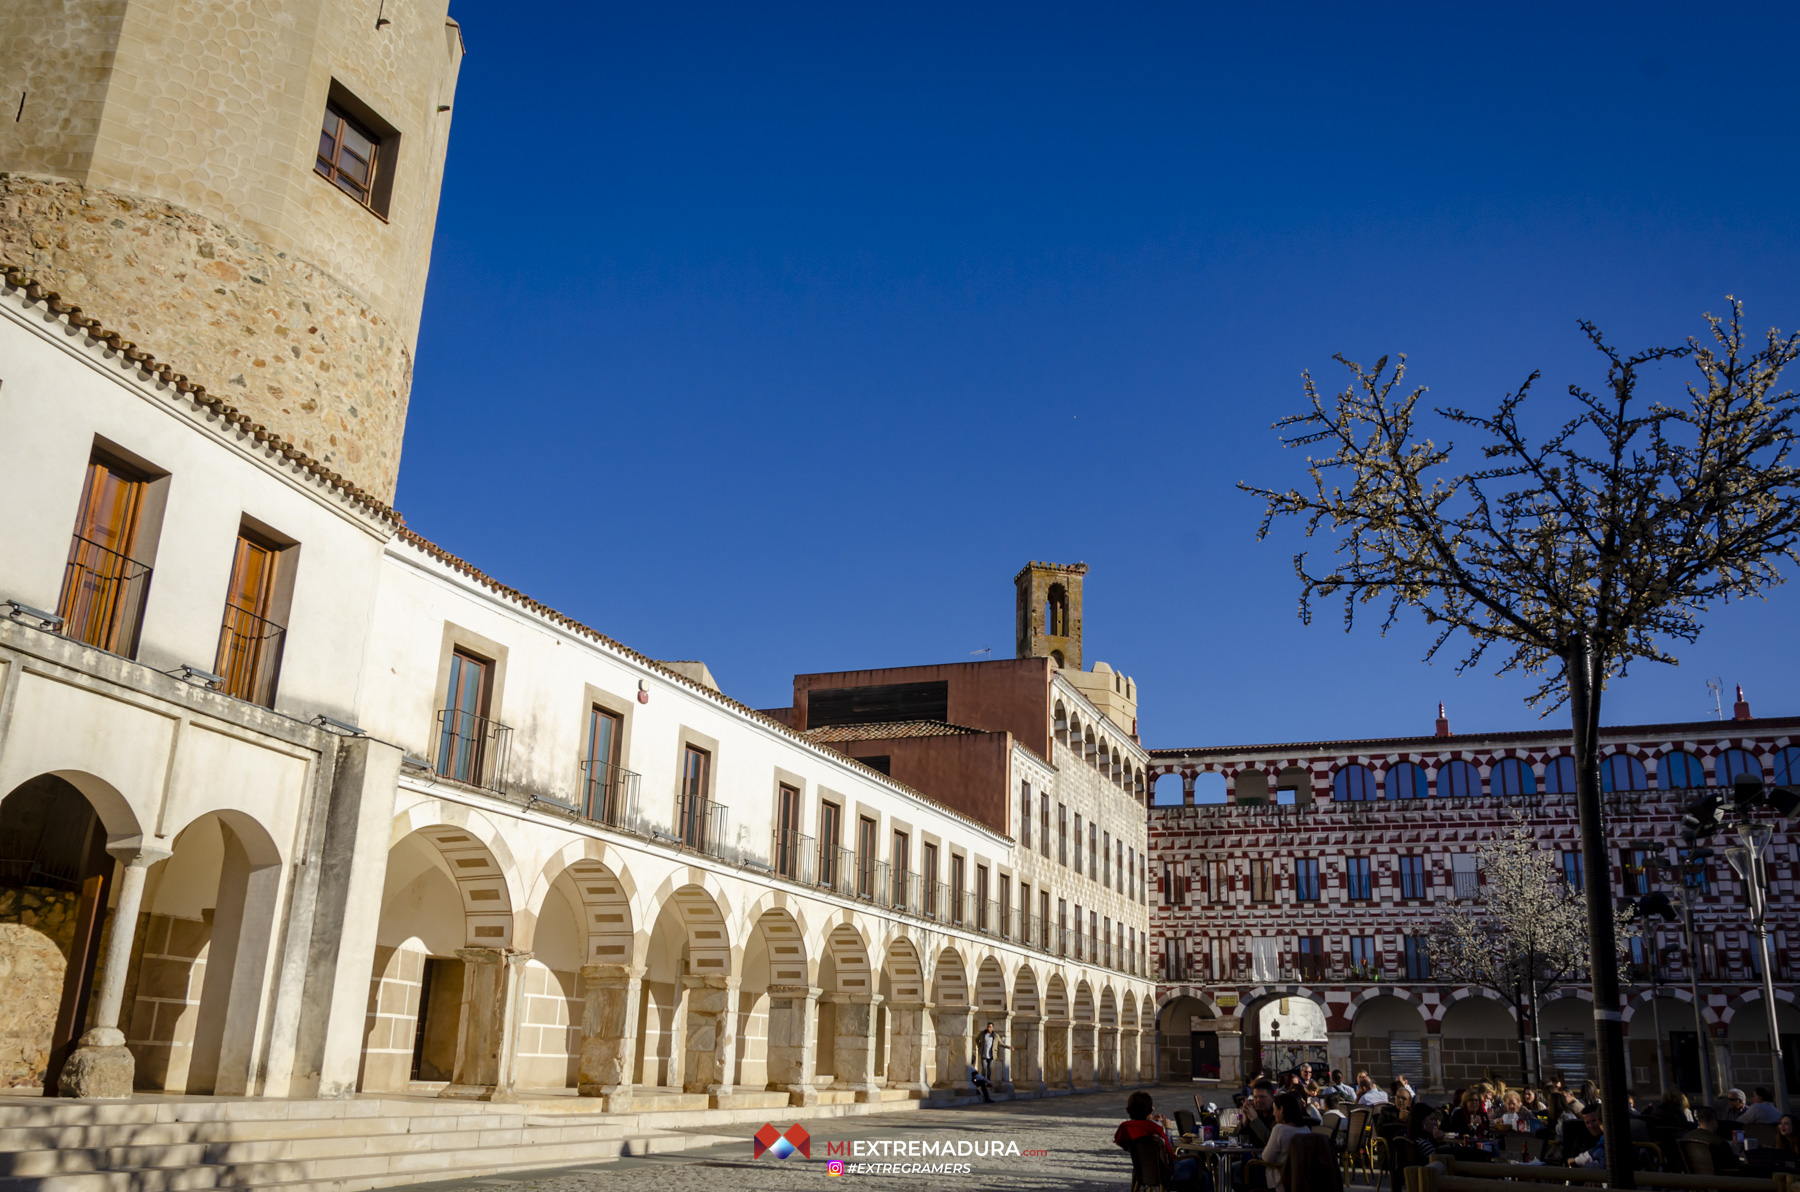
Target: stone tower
{"x":1049,"y":612}
{"x":244,"y":188}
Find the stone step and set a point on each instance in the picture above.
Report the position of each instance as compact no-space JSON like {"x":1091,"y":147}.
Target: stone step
{"x":348,"y":1173}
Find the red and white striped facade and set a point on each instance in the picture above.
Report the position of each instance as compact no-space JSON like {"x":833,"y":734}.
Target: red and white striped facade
{"x":1234,"y":927}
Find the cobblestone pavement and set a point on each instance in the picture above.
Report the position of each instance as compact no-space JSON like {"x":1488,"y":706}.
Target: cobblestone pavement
{"x":1073,"y":1133}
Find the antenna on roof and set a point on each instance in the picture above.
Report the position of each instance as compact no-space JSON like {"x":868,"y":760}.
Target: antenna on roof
{"x":1717,"y":687}
{"x":988,"y":651}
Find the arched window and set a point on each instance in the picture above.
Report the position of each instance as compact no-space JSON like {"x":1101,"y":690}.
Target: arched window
{"x":1354,"y":784}
{"x":1513,"y":777}
{"x":1559,"y":776}
{"x":1062,"y":724}
{"x":1056,"y":656}
{"x":1680,"y":772}
{"x":1459,"y":779}
{"x":1056,"y":612}
{"x":1734,"y":762}
{"x":1407,"y":781}
{"x":1787,"y":766}
{"x":1622,"y":772}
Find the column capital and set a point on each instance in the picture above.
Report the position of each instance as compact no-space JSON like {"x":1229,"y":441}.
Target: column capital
{"x":805,"y":991}
{"x":708,"y":981}
{"x":903,"y":1005}
{"x":138,"y":852}
{"x":843,"y":998}
{"x":479,"y":955}
{"x":609,"y":973}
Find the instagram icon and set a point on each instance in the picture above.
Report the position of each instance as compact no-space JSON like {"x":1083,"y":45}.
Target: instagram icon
{"x":835,"y":1167}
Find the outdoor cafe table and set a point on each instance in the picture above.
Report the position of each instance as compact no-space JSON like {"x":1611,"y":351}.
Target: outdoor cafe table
{"x":1219,"y":1156}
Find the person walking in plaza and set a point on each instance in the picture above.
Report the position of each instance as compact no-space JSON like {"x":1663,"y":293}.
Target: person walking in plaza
{"x":989,"y":1041}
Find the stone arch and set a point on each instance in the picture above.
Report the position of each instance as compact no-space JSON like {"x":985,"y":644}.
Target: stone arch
{"x":949,"y":979}
{"x":229,"y":859}
{"x":990,"y":985}
{"x":1128,"y":1013}
{"x":1753,"y":999}
{"x":1173,"y":993}
{"x":1639,"y":1002}
{"x":599,"y":886}
{"x":902,"y":971}
{"x":844,"y":966}
{"x":779,"y":932}
{"x":1025,"y":992}
{"x":1109,"y":1007}
{"x":476,"y":859}
{"x":1399,"y":992}
{"x":700,"y":912}
{"x":1084,"y":1002}
{"x":1056,"y":997}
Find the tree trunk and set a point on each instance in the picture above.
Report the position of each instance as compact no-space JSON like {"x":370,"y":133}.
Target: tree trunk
{"x":1583,"y":669}
{"x":1518,"y":996}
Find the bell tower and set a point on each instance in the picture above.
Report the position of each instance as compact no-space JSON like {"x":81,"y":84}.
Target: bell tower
{"x":247,"y":191}
{"x":1048,"y":617}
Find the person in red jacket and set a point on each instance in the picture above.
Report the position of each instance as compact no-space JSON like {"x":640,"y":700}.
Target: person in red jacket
{"x":1141,"y":1123}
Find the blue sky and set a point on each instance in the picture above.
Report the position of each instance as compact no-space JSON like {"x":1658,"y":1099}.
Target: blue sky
{"x":781,"y":337}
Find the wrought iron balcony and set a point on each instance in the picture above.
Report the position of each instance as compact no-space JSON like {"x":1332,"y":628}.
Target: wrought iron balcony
{"x":249,"y":658}
{"x":850,"y":874}
{"x":700,"y":824}
{"x":472,"y":749}
{"x":791,"y":855}
{"x":609,"y":795}
{"x":102,"y":602}
{"x":907,"y":893}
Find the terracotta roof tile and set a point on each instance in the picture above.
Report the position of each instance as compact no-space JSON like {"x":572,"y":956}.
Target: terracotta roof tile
{"x":889,"y":731}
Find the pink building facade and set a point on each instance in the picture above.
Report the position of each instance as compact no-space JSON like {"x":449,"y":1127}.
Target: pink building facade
{"x":1299,"y":877}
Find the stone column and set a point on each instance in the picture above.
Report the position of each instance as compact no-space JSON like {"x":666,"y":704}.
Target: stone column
{"x":953,"y":1049}
{"x":101,"y":1065}
{"x":1082,"y":1069}
{"x":1338,"y":1053}
{"x":853,"y":1048}
{"x":336,"y":951}
{"x":1027,"y":1053}
{"x":793,"y":1018}
{"x":1106,"y":1063}
{"x":710,"y":1043}
{"x":609,"y":1029}
{"x":1231,"y":1056}
{"x":1434,"y":1063}
{"x":1187,"y":790}
{"x":1149,"y":1062}
{"x":1128,"y":1056}
{"x":1056,"y":1053}
{"x":487,"y":1038}
{"x":906,"y":1049}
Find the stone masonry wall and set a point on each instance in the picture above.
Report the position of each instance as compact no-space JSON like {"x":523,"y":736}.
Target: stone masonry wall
{"x":279,"y":338}
{"x":37,"y":930}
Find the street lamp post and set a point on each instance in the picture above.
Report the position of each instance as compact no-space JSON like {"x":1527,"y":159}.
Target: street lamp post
{"x":1684,"y":890}
{"x":1747,"y":861}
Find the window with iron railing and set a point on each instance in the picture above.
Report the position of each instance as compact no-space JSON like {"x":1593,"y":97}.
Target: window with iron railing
{"x":700,"y":824}
{"x":956,"y":889}
{"x":1044,"y":919}
{"x":1005,"y":908}
{"x":472,"y":747}
{"x":830,"y":825}
{"x":792,"y":855}
{"x":928,"y":881}
{"x":900,"y":857}
{"x":982,"y":921}
{"x":104,"y":587}
{"x":1078,"y":940}
{"x":1309,"y":957}
{"x":609,"y":790}
{"x":1025,"y":810}
{"x":249,"y":655}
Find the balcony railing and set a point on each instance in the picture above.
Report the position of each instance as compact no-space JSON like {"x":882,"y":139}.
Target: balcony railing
{"x":249,"y":658}
{"x":102,"y":602}
{"x":850,"y":874}
{"x":906,"y":893}
{"x":1062,"y":941}
{"x":472,"y":749}
{"x":792,"y":855}
{"x":610,"y":795}
{"x":700,"y":824}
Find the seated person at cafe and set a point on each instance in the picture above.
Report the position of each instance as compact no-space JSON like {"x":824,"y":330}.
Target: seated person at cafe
{"x":1595,"y":1154}
{"x":1706,"y":1133}
{"x":1149,"y":1132}
{"x":1259,"y":1115}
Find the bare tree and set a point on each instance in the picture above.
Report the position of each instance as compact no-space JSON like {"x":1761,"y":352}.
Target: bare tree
{"x":1598,"y":545}
{"x":1525,"y":936}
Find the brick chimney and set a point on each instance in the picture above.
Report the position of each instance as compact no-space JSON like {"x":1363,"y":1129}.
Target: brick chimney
{"x":1741,"y":709}
{"x":1443,"y":722}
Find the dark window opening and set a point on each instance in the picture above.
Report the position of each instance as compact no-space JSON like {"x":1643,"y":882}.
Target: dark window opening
{"x":883,"y":703}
